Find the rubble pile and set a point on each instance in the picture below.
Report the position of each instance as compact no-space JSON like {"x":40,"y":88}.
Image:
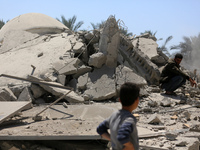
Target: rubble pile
{"x":95,"y":64}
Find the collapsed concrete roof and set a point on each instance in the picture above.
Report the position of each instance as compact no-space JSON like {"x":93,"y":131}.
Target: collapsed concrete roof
{"x":18,"y":30}
{"x":34,"y":23}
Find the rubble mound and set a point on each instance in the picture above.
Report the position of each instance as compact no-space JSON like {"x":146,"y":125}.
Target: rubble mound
{"x":93,"y":65}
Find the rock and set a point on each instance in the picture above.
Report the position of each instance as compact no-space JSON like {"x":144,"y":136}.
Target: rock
{"x":67,"y":68}
{"x":100,"y":84}
{"x":148,"y":46}
{"x":125,"y":74}
{"x":154,"y":119}
{"x":25,"y":95}
{"x":158,"y":60}
{"x":82,"y":82}
{"x":49,"y":77}
{"x":171,"y":136}
{"x":97,"y":60}
{"x":166,"y":102}
{"x":78,"y":47}
{"x":82,"y":70}
{"x":7,"y":95}
{"x":17,"y":89}
{"x":37,"y":91}
{"x":61,"y":79}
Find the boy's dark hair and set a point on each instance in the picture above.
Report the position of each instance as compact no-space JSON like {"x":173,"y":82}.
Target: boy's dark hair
{"x":178,"y":55}
{"x":128,"y":93}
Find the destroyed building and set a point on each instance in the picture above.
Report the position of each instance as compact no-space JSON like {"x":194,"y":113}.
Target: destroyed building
{"x":42,"y":60}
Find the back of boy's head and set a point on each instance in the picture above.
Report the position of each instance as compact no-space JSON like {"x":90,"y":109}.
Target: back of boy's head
{"x":128,"y":94}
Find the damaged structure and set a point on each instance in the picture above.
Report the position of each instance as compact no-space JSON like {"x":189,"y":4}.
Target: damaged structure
{"x":94,"y":64}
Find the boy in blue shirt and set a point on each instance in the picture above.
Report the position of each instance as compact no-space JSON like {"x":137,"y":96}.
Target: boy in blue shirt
{"x":122,"y":124}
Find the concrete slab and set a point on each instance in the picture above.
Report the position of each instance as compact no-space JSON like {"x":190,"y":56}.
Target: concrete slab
{"x":9,"y":109}
{"x":76,"y":122}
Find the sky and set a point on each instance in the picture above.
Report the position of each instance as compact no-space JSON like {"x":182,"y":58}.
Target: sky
{"x":175,"y":18}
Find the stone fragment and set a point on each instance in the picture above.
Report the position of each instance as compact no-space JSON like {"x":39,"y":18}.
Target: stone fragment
{"x":16,"y":89}
{"x":97,"y":60}
{"x":49,"y":77}
{"x":148,"y":46}
{"x":154,"y":119}
{"x":82,"y":70}
{"x":166,"y":102}
{"x":125,"y":74}
{"x":37,"y":91}
{"x":82,"y":82}
{"x":78,"y":47}
{"x":61,"y":79}
{"x":25,"y":95}
{"x":171,"y":136}
{"x":101,"y":84}
{"x":7,"y":95}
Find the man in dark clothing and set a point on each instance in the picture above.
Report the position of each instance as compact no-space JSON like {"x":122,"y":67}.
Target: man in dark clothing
{"x":172,"y":77}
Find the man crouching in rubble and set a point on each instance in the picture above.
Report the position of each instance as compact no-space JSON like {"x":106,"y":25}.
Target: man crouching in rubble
{"x":122,"y":124}
{"x":172,"y":77}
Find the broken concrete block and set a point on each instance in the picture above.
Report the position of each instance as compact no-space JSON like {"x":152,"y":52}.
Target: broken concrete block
{"x":97,"y":60}
{"x":171,"y":136}
{"x":67,"y":67}
{"x":82,"y":70}
{"x":37,"y":91}
{"x":7,"y":95}
{"x":154,"y":119}
{"x":82,"y":82}
{"x":78,"y":47}
{"x":101,"y":84}
{"x":158,"y":60}
{"x":16,"y":89}
{"x":125,"y":74}
{"x":166,"y":102}
{"x":61,"y":79}
{"x":49,"y":77}
{"x":25,"y":95}
{"x":148,"y":46}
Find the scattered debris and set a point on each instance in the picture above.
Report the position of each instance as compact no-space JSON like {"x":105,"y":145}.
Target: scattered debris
{"x":94,"y":64}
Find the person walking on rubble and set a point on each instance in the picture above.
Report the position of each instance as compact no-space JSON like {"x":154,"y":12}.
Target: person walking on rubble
{"x":122,"y":124}
{"x":172,"y":77}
